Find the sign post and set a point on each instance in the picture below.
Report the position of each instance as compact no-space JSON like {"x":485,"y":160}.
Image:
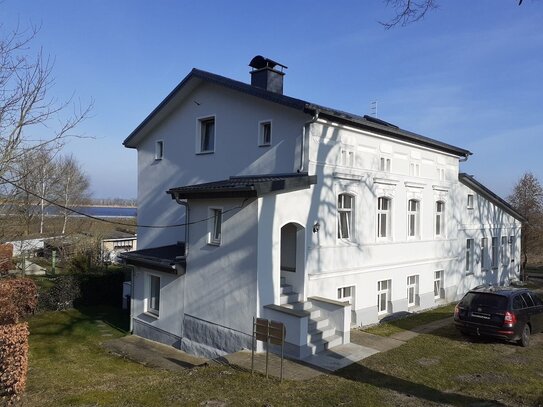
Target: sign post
{"x":271,"y":332}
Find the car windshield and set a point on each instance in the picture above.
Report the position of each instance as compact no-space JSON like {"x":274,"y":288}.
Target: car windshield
{"x":484,"y":300}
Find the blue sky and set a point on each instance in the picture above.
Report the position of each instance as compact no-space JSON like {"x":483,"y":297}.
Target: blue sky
{"x":469,"y":74}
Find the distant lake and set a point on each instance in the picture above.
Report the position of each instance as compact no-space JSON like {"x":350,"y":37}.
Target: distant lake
{"x":97,"y":211}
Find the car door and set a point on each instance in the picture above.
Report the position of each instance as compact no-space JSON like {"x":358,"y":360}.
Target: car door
{"x":537,"y":313}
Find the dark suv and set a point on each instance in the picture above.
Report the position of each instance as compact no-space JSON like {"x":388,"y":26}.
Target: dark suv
{"x":501,"y":312}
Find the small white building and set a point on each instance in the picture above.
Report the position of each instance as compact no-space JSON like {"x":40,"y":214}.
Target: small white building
{"x":299,"y":213}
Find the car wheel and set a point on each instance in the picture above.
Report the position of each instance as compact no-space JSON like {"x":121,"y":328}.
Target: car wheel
{"x":525,"y":337}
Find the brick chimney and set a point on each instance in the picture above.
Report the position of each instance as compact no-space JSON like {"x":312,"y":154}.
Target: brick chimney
{"x":265,"y":75}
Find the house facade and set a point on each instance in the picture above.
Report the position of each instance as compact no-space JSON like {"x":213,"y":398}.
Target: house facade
{"x":262,"y":205}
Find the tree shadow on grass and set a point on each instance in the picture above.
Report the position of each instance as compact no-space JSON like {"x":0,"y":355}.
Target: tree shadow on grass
{"x":114,"y":317}
{"x":363,"y":374}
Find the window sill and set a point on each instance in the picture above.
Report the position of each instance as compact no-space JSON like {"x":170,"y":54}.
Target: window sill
{"x":264,"y":145}
{"x":151,"y":314}
{"x":214,"y":244}
{"x":205,"y":152}
{"x":469,"y":273}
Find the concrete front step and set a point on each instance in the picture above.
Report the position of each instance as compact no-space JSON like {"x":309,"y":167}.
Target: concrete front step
{"x":286,"y":299}
{"x":299,"y":305}
{"x":325,"y":344}
{"x":318,"y":334}
{"x":285,"y":289}
{"x":317,"y":323}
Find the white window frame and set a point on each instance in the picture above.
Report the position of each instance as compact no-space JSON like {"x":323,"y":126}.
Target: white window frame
{"x":414,"y":168}
{"x":505,"y":256}
{"x":262,"y":133}
{"x":439,"y":227}
{"x":215,"y":221}
{"x":470,"y":201}
{"x":150,"y":307}
{"x":201,"y":123}
{"x":413,"y":219}
{"x":413,"y":290}
{"x":348,"y":214}
{"x":387,"y":213}
{"x":346,"y":157}
{"x":511,"y":248}
{"x":439,"y":281}
{"x":469,"y":256}
{"x":345,"y":293}
{"x":441,"y":173}
{"x":159,"y":150}
{"x":384,"y":163}
{"x":494,"y":253}
{"x":383,"y":293}
{"x":484,"y":253}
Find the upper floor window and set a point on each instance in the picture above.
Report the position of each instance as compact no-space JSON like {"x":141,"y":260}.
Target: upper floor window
{"x":440,"y":218}
{"x":413,"y":218}
{"x":505,"y":257}
{"x":441,"y":174}
{"x":469,"y":255}
{"x":470,"y":201}
{"x":383,"y":217}
{"x":206,"y":135}
{"x":384,"y":164}
{"x":347,"y":158}
{"x":494,"y":252}
{"x":159,"y":150}
{"x":414,"y":169}
{"x":215,"y":226}
{"x":345,"y":216}
{"x":484,"y":253}
{"x":265,"y":133}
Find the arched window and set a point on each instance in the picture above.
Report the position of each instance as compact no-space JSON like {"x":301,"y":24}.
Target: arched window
{"x":383,"y":217}
{"x":440,"y":218}
{"x":345,"y":208}
{"x":413,"y":218}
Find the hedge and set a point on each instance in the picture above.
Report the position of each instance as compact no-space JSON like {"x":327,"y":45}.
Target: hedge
{"x":18,"y":298}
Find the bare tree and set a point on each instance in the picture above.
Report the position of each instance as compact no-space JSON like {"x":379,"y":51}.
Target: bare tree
{"x":73,"y":186}
{"x":410,"y":11}
{"x":26,"y":104}
{"x":527,"y":199}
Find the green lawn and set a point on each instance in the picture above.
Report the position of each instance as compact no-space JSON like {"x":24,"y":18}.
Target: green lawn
{"x":412,"y":321}
{"x":68,"y":367}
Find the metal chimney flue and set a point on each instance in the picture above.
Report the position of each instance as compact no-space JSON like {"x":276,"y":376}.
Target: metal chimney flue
{"x":267,"y":74}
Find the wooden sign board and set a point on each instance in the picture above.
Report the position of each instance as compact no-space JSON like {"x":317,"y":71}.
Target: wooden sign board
{"x":277,"y":332}
{"x":261,"y":329}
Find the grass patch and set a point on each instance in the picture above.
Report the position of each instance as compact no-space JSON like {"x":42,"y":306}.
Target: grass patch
{"x":411,"y":321}
{"x":68,"y":367}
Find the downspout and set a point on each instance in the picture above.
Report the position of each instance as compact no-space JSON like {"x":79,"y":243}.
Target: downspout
{"x":186,"y":205}
{"x":304,"y":134}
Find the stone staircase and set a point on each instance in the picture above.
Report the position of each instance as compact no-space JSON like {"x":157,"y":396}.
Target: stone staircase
{"x":321,"y":334}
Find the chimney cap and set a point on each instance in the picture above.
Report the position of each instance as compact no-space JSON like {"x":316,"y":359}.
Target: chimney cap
{"x":259,"y":62}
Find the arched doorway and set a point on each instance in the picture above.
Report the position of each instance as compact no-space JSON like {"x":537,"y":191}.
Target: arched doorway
{"x":293,"y":257}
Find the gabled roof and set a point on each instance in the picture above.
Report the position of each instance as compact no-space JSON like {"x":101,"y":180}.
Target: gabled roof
{"x":168,"y":259}
{"x":470,"y":182}
{"x":197,"y":76}
{"x":245,"y":187}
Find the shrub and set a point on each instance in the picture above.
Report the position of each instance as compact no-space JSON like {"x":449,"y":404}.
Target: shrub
{"x":61,"y":295}
{"x":18,"y":298}
{"x":13,"y":360}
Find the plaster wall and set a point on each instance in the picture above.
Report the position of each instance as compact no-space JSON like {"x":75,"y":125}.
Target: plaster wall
{"x":237,"y":152}
{"x":221,"y":279}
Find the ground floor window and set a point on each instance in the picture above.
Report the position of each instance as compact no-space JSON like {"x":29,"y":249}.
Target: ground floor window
{"x":383,"y":296}
{"x":153,"y":294}
{"x":412,"y":290}
{"x":438,"y":284}
{"x":345,"y":293}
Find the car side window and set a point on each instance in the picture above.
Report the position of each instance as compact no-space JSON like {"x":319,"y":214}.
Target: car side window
{"x":537,"y":301}
{"x":526,"y":297}
{"x":518,"y":302}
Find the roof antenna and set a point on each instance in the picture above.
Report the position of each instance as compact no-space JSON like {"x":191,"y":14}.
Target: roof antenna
{"x":373,"y":108}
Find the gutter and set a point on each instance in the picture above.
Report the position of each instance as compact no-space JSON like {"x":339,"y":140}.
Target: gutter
{"x":304,"y":135}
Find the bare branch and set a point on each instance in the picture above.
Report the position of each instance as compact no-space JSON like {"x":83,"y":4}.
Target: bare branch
{"x":408,"y":11}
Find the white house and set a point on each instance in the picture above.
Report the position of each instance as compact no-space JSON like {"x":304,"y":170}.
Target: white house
{"x":299,"y":213}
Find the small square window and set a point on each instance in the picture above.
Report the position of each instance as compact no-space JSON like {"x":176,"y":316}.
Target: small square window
{"x":345,"y":293}
{"x":207,"y":135}
{"x":265,"y":133}
{"x":215,"y":226}
{"x":384,"y":164}
{"x":159,"y":150}
{"x":470,"y":201}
